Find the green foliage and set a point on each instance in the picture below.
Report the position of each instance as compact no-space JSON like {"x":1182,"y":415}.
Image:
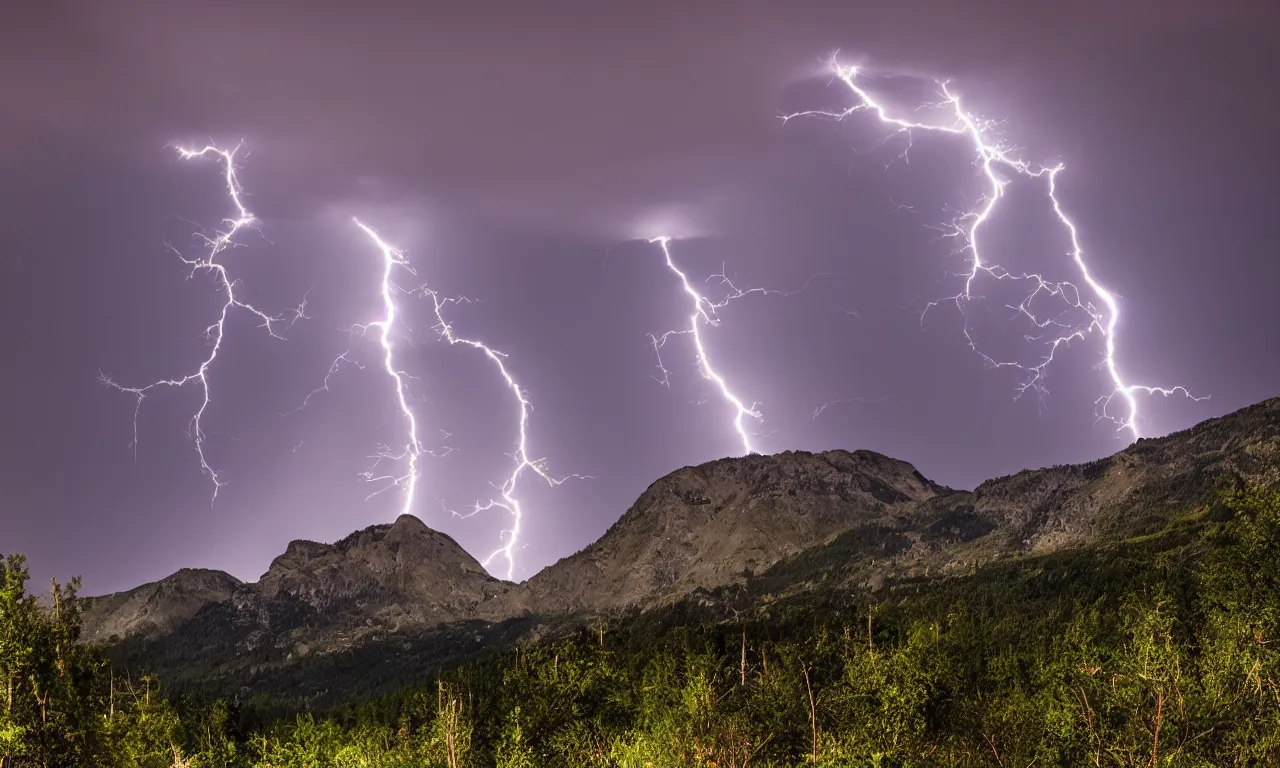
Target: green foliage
{"x":48,"y":689}
{"x":1159,"y":650}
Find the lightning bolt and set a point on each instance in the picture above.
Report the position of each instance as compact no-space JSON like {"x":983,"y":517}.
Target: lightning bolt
{"x":522,"y":464}
{"x":704,"y":311}
{"x":412,"y":450}
{"x":216,"y":331}
{"x":993,"y":157}
{"x":506,"y":499}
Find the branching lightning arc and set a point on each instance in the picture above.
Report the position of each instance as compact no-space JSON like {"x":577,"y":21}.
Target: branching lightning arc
{"x":704,"y":311}
{"x":506,"y":498}
{"x":413,"y":450}
{"x":216,"y":331}
{"x":996,"y":158}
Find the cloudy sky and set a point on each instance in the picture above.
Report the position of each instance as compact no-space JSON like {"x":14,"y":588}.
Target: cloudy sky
{"x":520,"y":154}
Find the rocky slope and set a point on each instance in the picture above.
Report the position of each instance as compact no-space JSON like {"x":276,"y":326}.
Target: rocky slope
{"x":714,"y":524}
{"x":159,"y":607}
{"x":698,"y":527}
{"x":381,"y":579}
{"x":1037,"y":512}
{"x":854,"y":520}
{"x":398,"y":574}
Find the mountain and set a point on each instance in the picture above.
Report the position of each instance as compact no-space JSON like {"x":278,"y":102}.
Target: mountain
{"x":699,"y":527}
{"x":159,"y":607}
{"x":383,"y":578}
{"x":713,"y":524}
{"x":1134,"y":493}
{"x":402,"y":598}
{"x":398,"y":574}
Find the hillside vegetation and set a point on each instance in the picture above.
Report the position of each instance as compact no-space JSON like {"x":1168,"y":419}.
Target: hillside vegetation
{"x":1156,"y":649}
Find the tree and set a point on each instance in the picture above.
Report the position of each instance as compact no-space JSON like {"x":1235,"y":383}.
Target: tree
{"x":49,"y":678}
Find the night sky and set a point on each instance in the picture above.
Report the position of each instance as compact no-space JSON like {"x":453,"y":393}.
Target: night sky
{"x":521,"y":153}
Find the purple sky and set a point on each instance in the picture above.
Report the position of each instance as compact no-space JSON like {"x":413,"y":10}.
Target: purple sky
{"x":519,"y":152}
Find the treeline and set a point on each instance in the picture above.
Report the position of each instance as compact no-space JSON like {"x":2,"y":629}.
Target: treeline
{"x":1158,"y":651}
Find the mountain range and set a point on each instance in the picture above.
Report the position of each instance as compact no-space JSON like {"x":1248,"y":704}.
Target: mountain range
{"x":411,"y":599}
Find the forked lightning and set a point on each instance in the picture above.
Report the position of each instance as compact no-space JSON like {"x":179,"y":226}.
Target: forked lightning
{"x":704,"y":311}
{"x":412,"y":450}
{"x":506,"y":499}
{"x":994,"y":157}
{"x":215,"y":246}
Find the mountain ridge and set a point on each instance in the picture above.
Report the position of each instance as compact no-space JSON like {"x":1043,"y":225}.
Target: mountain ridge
{"x":856,"y":520}
{"x":679,"y":508}
{"x":310,"y":571}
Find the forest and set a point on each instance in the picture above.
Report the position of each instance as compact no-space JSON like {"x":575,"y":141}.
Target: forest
{"x":1156,"y":650}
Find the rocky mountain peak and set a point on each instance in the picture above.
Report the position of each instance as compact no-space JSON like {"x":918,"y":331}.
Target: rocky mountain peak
{"x":710,"y":524}
{"x":404,"y":566}
{"x":410,"y":523}
{"x":157,"y":607}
